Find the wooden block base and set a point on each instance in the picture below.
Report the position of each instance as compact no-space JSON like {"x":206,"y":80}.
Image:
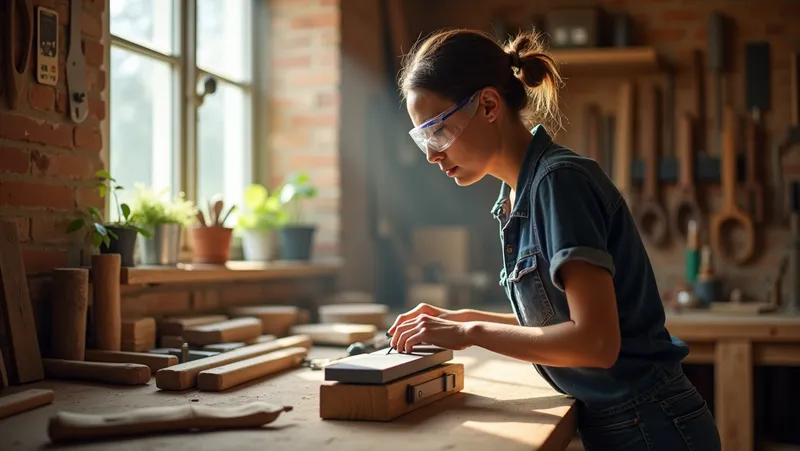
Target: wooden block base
{"x":339,"y":401}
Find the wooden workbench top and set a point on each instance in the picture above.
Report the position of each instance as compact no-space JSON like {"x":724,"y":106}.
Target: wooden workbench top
{"x":700,"y":325}
{"x":504,"y":405}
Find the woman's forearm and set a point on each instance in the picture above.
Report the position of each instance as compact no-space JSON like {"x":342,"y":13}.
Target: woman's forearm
{"x":471,"y":315}
{"x":563,"y":345}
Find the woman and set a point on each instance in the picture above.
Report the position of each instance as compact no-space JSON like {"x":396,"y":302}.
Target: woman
{"x":587,"y":311}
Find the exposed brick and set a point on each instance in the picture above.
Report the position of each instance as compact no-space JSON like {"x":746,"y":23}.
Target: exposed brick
{"x":14,"y":160}
{"x":291,"y":62}
{"x":89,"y":138}
{"x":49,"y":229}
{"x":299,"y":160}
{"x":62,"y":8}
{"x":91,"y":25}
{"x":22,"y":128}
{"x":320,"y":20}
{"x":93,"y":52}
{"x":45,"y":3}
{"x":100,"y":81}
{"x":325,"y":99}
{"x":681,"y":15}
{"x":667,"y":34}
{"x":41,"y":97}
{"x":62,"y":165}
{"x":97,"y":109}
{"x":61,"y":102}
{"x":97,"y":5}
{"x":87,"y":196}
{"x":315,"y":78}
{"x":17,"y":193}
{"x":23,"y":226}
{"x":311,"y":119}
{"x":39,"y":261}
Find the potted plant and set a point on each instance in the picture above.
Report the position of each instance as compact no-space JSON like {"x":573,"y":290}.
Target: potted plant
{"x":165,"y":219}
{"x":296,"y":236}
{"x":118,"y":237}
{"x":257,"y":222}
{"x":211,"y":239}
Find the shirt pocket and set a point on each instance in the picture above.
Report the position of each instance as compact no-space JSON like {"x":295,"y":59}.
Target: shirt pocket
{"x":526,"y":281}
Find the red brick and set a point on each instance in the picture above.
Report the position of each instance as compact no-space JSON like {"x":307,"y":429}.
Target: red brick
{"x":38,"y":261}
{"x":93,"y":52}
{"x":17,"y":193}
{"x":45,"y":3}
{"x":329,"y":2}
{"x":318,"y":79}
{"x":49,"y":229}
{"x":97,"y":5}
{"x":23,"y":226}
{"x":62,"y":165}
{"x":62,"y":8}
{"x":325,"y":99}
{"x":87,"y":196}
{"x":297,"y":43}
{"x":61,"y":102}
{"x":321,"y":20}
{"x":666,"y":34}
{"x":681,"y":15}
{"x":100,"y":81}
{"x":41,"y":97}
{"x":14,"y":160}
{"x":91,"y":25}
{"x":291,"y":62}
{"x":97,"y":109}
{"x":775,"y":29}
{"x":313,"y":160}
{"x":22,"y":128}
{"x":314,"y":120}
{"x":89,"y":138}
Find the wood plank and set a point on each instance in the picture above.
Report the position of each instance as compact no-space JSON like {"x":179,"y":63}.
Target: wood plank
{"x":25,"y":360}
{"x":335,"y":334}
{"x":703,"y":326}
{"x":184,"y":375}
{"x":138,"y":334}
{"x":238,"y":329}
{"x":380,"y":367}
{"x":24,"y":401}
{"x":111,"y":373}
{"x":154,"y":361}
{"x":174,"y":326}
{"x":733,"y":380}
{"x":385,"y":402}
{"x":275,"y":319}
{"x":237,"y":373}
{"x":231,"y":271}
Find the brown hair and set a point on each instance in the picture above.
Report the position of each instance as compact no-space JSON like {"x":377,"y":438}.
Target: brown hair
{"x":455,"y":63}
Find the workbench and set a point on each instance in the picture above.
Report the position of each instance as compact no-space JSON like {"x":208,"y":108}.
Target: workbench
{"x":504,"y":405}
{"x":734,"y":344}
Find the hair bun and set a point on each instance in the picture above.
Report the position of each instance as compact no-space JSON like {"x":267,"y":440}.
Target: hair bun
{"x":515,"y":60}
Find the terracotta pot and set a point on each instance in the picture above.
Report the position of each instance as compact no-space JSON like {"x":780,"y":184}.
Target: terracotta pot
{"x":211,"y":244}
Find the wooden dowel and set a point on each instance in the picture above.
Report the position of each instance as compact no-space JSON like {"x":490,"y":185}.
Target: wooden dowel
{"x":70,"y":302}
{"x":24,"y":401}
{"x":113,"y":373}
{"x":106,"y":308}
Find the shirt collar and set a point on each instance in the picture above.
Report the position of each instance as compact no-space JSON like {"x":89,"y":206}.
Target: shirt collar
{"x":539,"y":142}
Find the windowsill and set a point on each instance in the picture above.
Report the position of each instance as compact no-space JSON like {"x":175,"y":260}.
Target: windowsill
{"x":232,"y":271}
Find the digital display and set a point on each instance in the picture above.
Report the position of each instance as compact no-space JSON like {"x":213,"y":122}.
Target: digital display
{"x":48,"y":34}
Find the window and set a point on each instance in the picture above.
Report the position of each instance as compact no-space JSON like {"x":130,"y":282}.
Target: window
{"x":181,"y":96}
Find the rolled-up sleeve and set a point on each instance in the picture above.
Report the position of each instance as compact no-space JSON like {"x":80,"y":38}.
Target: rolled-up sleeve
{"x":571,"y":221}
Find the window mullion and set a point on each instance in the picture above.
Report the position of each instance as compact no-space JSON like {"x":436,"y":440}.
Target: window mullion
{"x":189,"y":93}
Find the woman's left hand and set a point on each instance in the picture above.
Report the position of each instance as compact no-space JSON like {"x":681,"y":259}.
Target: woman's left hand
{"x":431,"y":330}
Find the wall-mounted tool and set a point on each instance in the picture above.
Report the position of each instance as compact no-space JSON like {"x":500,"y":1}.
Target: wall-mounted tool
{"x":793,"y":306}
{"x":716,"y":62}
{"x":17,"y":48}
{"x":47,"y":46}
{"x":650,"y":214}
{"x":792,"y":138}
{"x":76,"y":66}
{"x":729,"y":211}
{"x":757,"y":93}
{"x":623,"y":141}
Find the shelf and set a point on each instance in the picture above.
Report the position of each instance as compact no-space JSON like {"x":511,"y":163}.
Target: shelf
{"x":232,"y":271}
{"x":618,"y":61}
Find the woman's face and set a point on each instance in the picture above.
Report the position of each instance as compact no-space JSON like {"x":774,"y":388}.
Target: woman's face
{"x":470,"y":155}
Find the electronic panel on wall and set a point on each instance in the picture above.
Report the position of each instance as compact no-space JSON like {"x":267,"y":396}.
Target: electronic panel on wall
{"x":47,"y":46}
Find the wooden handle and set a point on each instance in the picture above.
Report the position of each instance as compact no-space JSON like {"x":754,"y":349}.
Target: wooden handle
{"x":699,"y":90}
{"x":686,"y":174}
{"x":728,"y":172}
{"x":753,"y":139}
{"x":24,"y":401}
{"x":106,"y":307}
{"x":153,"y":361}
{"x":184,"y":375}
{"x":795,"y":87}
{"x":238,"y":329}
{"x":113,"y":373}
{"x":651,"y":137}
{"x":68,"y":426}
{"x":624,"y":139}
{"x":69,"y":310}
{"x":237,"y":373}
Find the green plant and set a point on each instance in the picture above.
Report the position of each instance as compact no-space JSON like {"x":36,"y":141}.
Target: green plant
{"x":296,"y":188}
{"x":150,"y":208}
{"x":262,"y":211}
{"x":97,"y":228}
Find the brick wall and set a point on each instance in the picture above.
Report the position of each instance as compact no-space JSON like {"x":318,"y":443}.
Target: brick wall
{"x":675,"y":28}
{"x":303,"y":106}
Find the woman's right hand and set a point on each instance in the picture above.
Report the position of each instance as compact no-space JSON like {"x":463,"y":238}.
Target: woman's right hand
{"x":423,"y":309}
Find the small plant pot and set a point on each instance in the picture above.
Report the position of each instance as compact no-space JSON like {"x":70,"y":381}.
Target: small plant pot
{"x":124,"y":244}
{"x":212,"y":245}
{"x":296,"y":242}
{"x":163,"y":247}
{"x":259,"y":245}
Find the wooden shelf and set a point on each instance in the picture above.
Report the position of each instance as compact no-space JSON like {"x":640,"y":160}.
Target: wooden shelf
{"x":232,"y":271}
{"x":619,"y":61}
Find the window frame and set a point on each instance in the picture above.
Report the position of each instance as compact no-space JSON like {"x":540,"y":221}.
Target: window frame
{"x":185,"y":99}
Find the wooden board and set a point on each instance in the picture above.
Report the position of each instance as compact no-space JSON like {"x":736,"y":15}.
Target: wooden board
{"x":25,"y":361}
{"x":335,"y":334}
{"x":184,"y":375}
{"x":174,"y":326}
{"x":386,"y":402}
{"x":374,"y":314}
{"x":237,"y":329}
{"x":275,"y":319}
{"x":237,"y":373}
{"x":138,"y":334}
{"x":380,"y":367}
{"x":111,"y":373}
{"x":154,"y":361}
{"x":24,"y":401}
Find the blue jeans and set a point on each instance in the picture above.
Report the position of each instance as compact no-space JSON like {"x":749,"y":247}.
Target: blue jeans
{"x":676,"y":418}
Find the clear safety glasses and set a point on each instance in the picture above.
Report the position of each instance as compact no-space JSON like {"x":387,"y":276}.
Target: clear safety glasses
{"x":436,"y":135}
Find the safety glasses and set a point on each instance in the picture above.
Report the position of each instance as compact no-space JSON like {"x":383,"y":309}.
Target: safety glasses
{"x":436,"y":135}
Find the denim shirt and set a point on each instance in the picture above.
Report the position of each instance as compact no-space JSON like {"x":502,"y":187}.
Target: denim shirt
{"x":566,"y":208}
